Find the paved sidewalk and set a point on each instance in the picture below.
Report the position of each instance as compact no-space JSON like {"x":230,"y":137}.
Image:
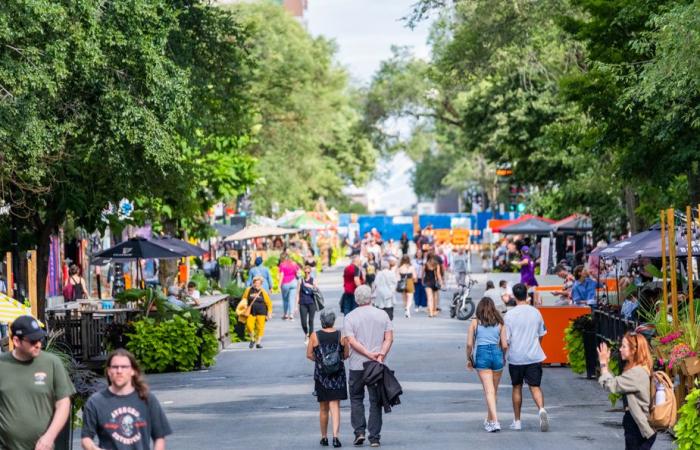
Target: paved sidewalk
{"x":262,"y":399}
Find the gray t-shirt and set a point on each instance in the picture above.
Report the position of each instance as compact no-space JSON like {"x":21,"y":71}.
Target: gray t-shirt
{"x":524,"y":327}
{"x":367,"y":324}
{"x":124,"y":422}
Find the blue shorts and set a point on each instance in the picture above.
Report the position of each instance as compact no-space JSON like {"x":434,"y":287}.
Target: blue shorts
{"x":489,"y":357}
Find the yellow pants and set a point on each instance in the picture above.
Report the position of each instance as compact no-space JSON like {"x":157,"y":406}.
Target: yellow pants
{"x":255,"y":326}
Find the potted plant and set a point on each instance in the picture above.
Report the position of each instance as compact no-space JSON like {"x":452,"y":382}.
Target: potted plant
{"x":687,"y":429}
{"x":690,"y":365}
{"x":225,"y":270}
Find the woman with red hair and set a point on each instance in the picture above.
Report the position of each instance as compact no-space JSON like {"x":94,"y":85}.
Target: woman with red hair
{"x":635,"y":384}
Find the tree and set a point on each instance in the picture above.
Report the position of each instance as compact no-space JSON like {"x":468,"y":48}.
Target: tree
{"x":309,"y":141}
{"x":96,"y":108}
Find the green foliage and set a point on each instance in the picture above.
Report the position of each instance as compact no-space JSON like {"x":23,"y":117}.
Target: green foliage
{"x":234,"y":290}
{"x":233,"y":321}
{"x":225,"y":261}
{"x":573,"y":343}
{"x":172,"y":344}
{"x":687,"y":429}
{"x":306,"y":116}
{"x":614,"y":368}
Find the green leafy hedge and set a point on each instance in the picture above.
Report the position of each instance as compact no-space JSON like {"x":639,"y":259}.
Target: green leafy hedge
{"x":173,"y":344}
{"x":573,"y":343}
{"x":687,"y":428}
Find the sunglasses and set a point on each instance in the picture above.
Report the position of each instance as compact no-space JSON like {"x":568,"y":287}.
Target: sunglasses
{"x":33,"y":341}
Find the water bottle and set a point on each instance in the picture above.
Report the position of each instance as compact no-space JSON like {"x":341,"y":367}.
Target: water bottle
{"x":660,"y":397}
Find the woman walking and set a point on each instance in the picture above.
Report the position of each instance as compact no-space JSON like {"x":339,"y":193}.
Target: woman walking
{"x":288,"y":284}
{"x":486,"y":345}
{"x":74,"y":289}
{"x":419,"y":298}
{"x":256,"y":303}
{"x":330,"y":388}
{"x":407,"y":277}
{"x":371,"y":267}
{"x":432,"y":280}
{"x":305,"y":302}
{"x":635,"y":384}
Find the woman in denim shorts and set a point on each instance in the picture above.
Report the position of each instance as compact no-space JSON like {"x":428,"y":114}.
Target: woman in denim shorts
{"x":486,"y":344}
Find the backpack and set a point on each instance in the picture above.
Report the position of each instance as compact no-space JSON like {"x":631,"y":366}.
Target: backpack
{"x":330,"y":362}
{"x":662,"y":416}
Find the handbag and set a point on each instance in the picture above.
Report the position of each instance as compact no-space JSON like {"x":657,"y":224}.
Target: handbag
{"x":243,"y":310}
{"x":401,"y":285}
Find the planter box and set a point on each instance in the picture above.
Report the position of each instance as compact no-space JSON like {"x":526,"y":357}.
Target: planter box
{"x":690,"y":366}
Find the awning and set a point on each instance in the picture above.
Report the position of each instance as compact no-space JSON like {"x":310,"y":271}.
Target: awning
{"x":575,"y":223}
{"x":258,"y":231}
{"x":533,"y":226}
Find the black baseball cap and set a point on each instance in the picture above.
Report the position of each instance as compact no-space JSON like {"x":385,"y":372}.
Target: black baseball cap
{"x":27,"y":327}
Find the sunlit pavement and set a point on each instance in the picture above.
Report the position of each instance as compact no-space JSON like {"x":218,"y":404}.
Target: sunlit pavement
{"x":262,"y":399}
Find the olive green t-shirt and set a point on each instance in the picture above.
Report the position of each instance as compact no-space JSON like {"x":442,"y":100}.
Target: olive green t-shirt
{"x":29,"y":391}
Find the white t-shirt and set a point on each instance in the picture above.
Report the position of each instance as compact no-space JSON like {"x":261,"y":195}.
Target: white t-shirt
{"x":524,"y":327}
{"x":384,"y":288}
{"x":496,"y":294}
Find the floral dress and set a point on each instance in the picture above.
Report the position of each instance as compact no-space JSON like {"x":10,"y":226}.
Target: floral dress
{"x":329,"y":387}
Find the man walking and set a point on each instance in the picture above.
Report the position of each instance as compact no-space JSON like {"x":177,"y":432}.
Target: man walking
{"x":352,"y":278}
{"x":460,"y":265}
{"x":370,"y":335}
{"x":35,"y":391}
{"x":260,"y":271}
{"x":125,"y":415}
{"x":525,"y":329}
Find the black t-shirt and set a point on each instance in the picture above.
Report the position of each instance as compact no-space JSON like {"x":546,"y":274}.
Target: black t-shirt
{"x":124,"y":422}
{"x":255,"y":298}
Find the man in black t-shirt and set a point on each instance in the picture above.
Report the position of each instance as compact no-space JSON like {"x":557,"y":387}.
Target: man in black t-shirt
{"x":125,"y":415}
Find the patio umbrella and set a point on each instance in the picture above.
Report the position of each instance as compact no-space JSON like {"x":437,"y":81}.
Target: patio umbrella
{"x":306,"y":221}
{"x":178,"y":244}
{"x":138,"y":248}
{"x":614,"y":249}
{"x":10,"y":309}
{"x":257,"y":231}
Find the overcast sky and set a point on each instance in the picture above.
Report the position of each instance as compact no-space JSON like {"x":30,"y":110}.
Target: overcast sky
{"x":365,"y":30}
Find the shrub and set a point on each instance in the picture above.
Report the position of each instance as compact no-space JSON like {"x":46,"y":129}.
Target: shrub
{"x":225,"y":261}
{"x":201,"y":281}
{"x":687,"y":428}
{"x":573,"y":343}
{"x":171,"y":344}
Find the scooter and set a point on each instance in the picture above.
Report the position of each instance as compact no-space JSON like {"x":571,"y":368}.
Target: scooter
{"x":462,"y":306}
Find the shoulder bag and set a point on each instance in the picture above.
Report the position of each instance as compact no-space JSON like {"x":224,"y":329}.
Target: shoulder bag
{"x":330,"y":362}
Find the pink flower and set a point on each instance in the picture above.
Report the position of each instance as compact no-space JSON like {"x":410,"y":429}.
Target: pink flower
{"x":670,"y":337}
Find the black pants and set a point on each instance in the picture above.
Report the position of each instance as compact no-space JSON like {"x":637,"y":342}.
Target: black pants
{"x":633,"y":437}
{"x":307,"y":312}
{"x":357,"y":407}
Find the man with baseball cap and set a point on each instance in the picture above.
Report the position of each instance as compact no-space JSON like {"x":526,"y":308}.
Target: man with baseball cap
{"x":34,"y":391}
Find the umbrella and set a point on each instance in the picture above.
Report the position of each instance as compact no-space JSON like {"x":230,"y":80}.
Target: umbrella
{"x":10,"y":309}
{"x":141,"y":248}
{"x":529,"y":226}
{"x":257,"y":231}
{"x":185,"y":247}
{"x":223,"y":230}
{"x":306,"y":221}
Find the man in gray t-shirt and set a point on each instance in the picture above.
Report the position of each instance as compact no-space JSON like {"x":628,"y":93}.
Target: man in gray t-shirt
{"x":525,"y":329}
{"x":370,"y":334}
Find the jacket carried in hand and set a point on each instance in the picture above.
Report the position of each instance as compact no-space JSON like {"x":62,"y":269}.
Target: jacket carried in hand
{"x":389,"y":389}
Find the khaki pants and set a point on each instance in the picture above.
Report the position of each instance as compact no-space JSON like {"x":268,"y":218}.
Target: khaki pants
{"x":255,"y":326}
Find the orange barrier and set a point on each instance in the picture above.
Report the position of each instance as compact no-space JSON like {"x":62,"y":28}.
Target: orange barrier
{"x":556,"y":319}
{"x":547,"y":288}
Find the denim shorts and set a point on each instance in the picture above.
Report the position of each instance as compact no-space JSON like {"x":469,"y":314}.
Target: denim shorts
{"x":489,"y":357}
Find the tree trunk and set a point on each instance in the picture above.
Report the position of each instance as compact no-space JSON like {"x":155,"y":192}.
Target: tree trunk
{"x":694,"y":183}
{"x":167,"y":268}
{"x":630,"y":208}
{"x":42,"y":268}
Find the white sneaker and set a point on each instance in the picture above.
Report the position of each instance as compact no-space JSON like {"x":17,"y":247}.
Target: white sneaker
{"x":516,"y":425}
{"x":306,"y":340}
{"x":544,"y":420}
{"x":495,"y":426}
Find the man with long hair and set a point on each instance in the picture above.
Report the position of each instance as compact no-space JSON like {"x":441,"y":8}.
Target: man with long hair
{"x":125,"y":415}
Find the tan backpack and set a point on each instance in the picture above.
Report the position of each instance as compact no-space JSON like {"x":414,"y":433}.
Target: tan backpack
{"x":662,"y":416}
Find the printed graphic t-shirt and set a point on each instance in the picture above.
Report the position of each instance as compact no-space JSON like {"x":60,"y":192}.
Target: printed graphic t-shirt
{"x":29,"y":391}
{"x":124,"y":422}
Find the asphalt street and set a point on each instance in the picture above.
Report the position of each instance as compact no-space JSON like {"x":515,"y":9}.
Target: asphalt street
{"x":262,"y":399}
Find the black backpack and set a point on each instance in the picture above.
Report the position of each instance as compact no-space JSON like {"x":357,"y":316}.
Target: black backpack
{"x":330,"y":362}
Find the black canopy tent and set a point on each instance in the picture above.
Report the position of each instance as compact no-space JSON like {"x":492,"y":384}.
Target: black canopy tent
{"x":532,"y":226}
